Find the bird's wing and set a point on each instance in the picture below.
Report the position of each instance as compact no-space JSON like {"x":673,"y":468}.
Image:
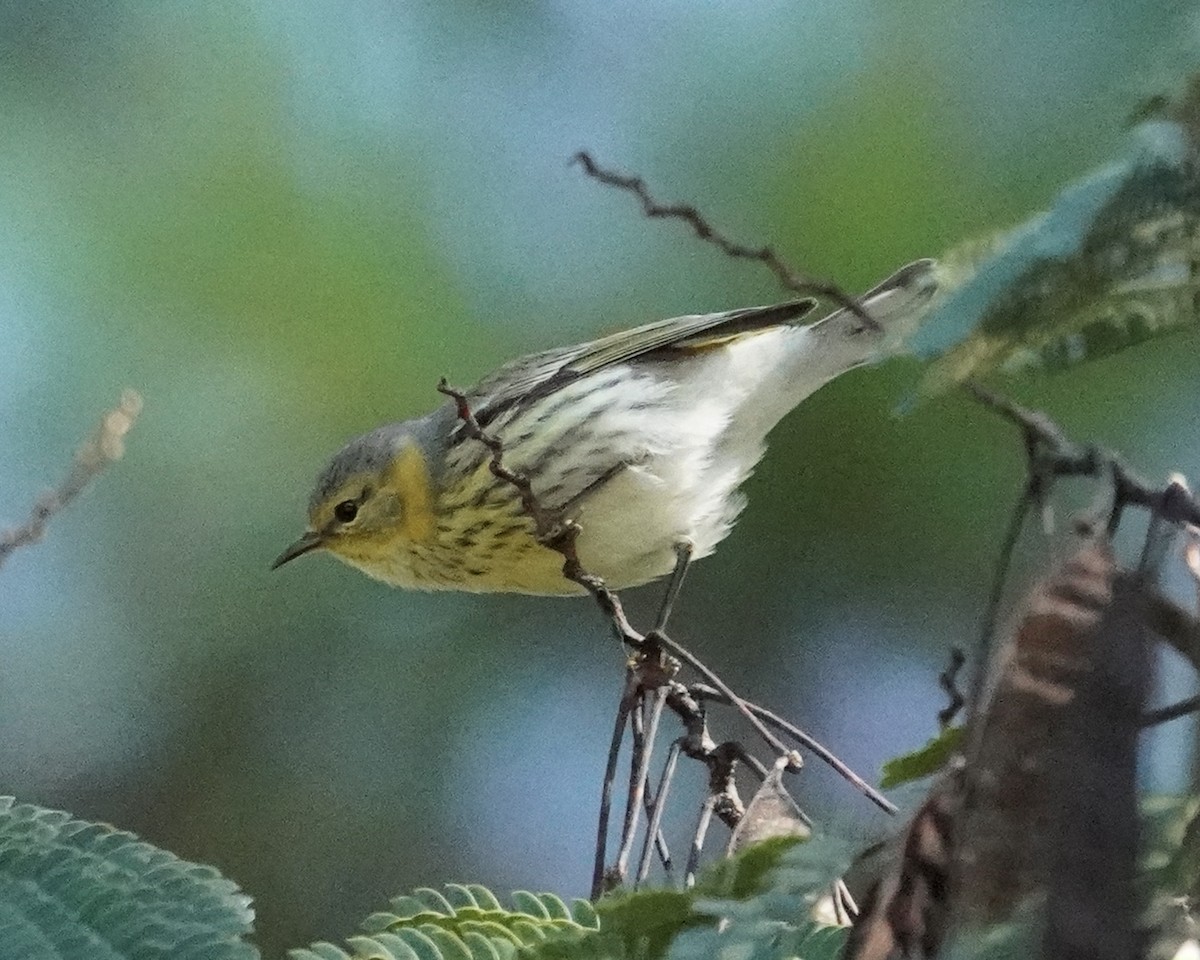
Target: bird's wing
{"x":691,"y":332}
{"x":541,"y":374}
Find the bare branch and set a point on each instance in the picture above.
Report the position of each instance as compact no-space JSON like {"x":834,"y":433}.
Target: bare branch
{"x":788,"y":278}
{"x":1182,"y":708}
{"x":1053,"y":455}
{"x":106,"y":445}
{"x":704,"y":692}
{"x":655,"y":809}
{"x":1191,"y":556}
{"x":948,"y":681}
{"x":600,"y":880}
{"x":777,"y":745}
{"x":547,"y":526}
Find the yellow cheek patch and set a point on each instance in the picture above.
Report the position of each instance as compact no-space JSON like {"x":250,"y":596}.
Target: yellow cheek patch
{"x":409,"y":477}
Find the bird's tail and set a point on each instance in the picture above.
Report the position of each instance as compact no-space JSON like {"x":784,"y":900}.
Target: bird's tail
{"x":805,"y":358}
{"x":895,"y":307}
{"x":843,"y":340}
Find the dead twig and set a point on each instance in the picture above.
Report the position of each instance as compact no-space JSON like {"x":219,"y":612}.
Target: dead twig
{"x":722,"y":800}
{"x":547,"y":525}
{"x":1054,"y":455}
{"x":1050,"y":456}
{"x":629,"y":697}
{"x":1160,"y":715}
{"x":779,"y":748}
{"x":1191,"y":556}
{"x":787,"y":277}
{"x":655,"y":809}
{"x":948,"y":681}
{"x":105,"y":445}
{"x":704,"y":692}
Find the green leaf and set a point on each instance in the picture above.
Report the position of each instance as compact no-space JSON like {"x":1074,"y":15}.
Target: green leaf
{"x":584,"y":913}
{"x":743,"y":876}
{"x":369,"y":949}
{"x":776,"y":922}
{"x":644,"y":923}
{"x":483,"y":948}
{"x":319,"y":951}
{"x":420,"y":943}
{"x":71,"y":889}
{"x":397,"y":947}
{"x":1112,"y":263}
{"x":467,"y":922}
{"x":924,"y":762}
{"x":1170,"y":830}
{"x":484,"y":898}
{"x":765,"y":893}
{"x":528,"y":903}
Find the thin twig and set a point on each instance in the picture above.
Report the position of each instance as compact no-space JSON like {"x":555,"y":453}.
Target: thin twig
{"x":722,"y":800}
{"x":845,"y":909}
{"x":705,"y":692}
{"x":757,"y":767}
{"x":655,"y":811}
{"x":546,"y":524}
{"x":105,"y":445}
{"x":1051,"y":455}
{"x":639,"y":753}
{"x":693,"y":860}
{"x":787,"y":277}
{"x":640,"y":766}
{"x":1057,"y":456}
{"x":628,"y":698}
{"x":1174,"y":711}
{"x":987,"y":630}
{"x":606,"y":599}
{"x":948,"y":681}
{"x":777,"y":745}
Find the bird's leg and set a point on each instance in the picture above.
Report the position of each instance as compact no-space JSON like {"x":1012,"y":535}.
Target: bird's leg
{"x":683,"y":558}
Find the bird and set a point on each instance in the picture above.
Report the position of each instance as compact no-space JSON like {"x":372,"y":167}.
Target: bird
{"x":642,"y":439}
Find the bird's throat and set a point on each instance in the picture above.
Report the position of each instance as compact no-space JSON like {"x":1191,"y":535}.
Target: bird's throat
{"x":409,"y":478}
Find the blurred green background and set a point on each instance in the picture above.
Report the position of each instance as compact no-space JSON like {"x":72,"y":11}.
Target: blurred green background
{"x":282,"y":222}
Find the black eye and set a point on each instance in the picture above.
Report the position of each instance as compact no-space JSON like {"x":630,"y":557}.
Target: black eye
{"x":346,"y":511}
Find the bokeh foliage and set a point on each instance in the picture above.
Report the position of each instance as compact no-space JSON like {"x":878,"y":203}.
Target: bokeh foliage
{"x":283,"y":222}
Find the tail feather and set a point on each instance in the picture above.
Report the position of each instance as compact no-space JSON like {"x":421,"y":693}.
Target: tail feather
{"x":896,"y":305}
{"x":802,"y":359}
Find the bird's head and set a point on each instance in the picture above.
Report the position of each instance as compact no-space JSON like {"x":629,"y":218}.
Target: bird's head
{"x":373,"y":499}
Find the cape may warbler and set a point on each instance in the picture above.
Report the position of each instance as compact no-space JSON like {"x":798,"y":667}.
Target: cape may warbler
{"x":642,"y":438}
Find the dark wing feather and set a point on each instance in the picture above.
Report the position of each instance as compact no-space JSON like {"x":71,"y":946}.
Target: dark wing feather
{"x":542,"y":373}
{"x":684,"y":333}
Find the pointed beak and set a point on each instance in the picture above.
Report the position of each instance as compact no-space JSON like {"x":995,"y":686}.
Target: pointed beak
{"x":311,"y":540}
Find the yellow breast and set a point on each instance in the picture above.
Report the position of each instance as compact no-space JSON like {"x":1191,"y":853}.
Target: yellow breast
{"x":471,"y":536}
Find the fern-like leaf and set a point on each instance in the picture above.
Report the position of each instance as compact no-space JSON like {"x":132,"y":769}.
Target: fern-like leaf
{"x":759,"y":901}
{"x":71,"y":889}
{"x":465,"y":922}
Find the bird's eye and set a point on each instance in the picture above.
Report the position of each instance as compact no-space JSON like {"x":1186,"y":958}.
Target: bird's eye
{"x":346,"y":511}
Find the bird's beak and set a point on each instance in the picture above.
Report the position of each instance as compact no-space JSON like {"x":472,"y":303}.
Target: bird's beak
{"x":311,"y":540}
